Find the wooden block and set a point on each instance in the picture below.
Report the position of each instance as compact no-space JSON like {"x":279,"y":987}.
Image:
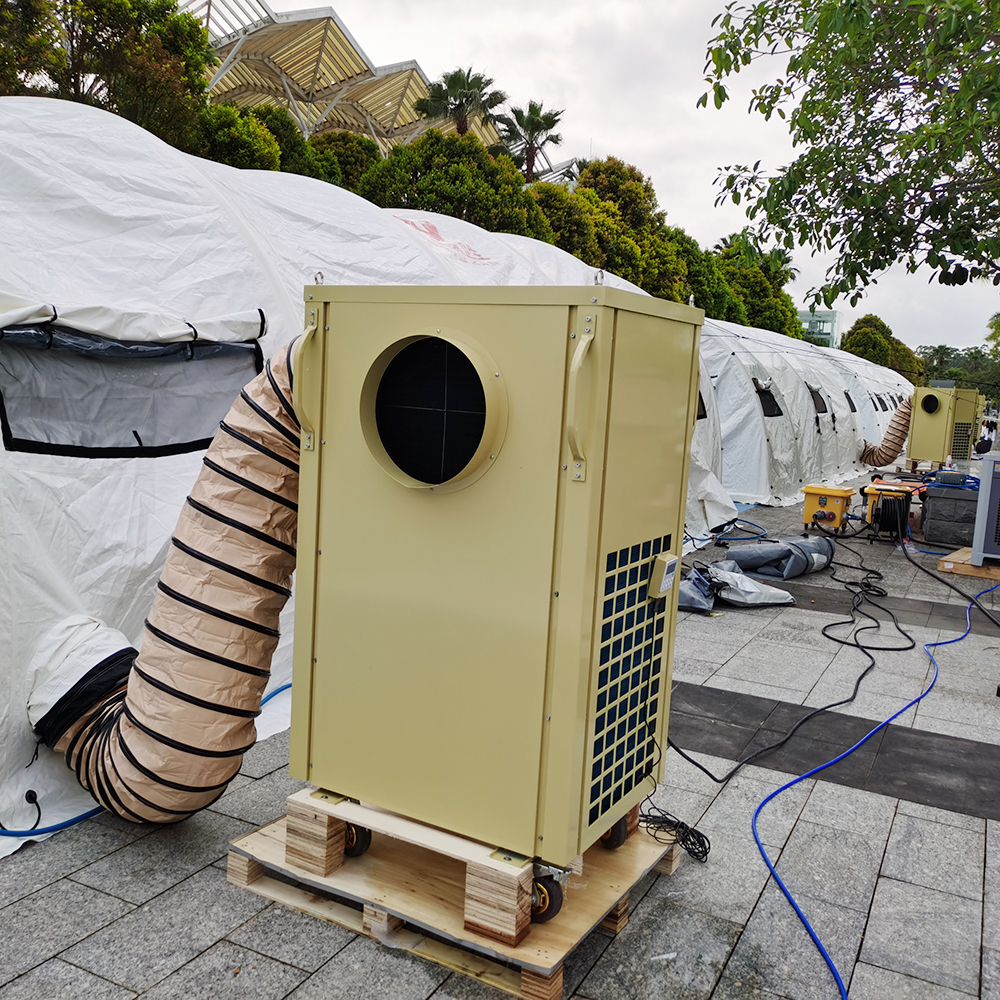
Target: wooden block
{"x":617,"y":917}
{"x":497,"y":904}
{"x":960,"y":561}
{"x":536,"y":986}
{"x":576,"y":865}
{"x":314,"y":840}
{"x":633,"y":819}
{"x":241,"y":870}
{"x":378,"y":923}
{"x":670,"y":861}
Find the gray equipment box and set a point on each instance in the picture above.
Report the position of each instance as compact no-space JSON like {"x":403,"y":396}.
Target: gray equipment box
{"x":986,"y":539}
{"x":949,"y":515}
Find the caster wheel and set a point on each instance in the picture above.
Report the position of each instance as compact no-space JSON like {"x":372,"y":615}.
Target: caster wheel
{"x":616,"y":835}
{"x":357,"y":840}
{"x":546,"y":899}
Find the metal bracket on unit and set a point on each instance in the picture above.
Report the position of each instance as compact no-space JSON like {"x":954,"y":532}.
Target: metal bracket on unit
{"x":561,"y":875}
{"x":510,"y":858}
{"x":331,"y":797}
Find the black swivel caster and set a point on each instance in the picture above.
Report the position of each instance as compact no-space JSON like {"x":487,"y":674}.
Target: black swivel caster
{"x":546,"y":899}
{"x":616,"y":835}
{"x":357,"y":840}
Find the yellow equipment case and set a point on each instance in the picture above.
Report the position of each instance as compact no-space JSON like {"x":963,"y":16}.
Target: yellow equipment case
{"x":826,"y":506}
{"x":493,"y":484}
{"x":945,"y":422}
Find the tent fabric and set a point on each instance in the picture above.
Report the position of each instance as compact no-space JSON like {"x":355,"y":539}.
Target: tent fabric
{"x":785,"y":411}
{"x":110,"y":232}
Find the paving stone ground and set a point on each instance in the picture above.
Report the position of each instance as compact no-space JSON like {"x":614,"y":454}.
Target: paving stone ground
{"x":905,"y":896}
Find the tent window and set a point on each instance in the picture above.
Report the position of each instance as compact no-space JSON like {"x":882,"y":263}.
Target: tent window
{"x":818,"y":401}
{"x":702,"y":412}
{"x":850,"y":402}
{"x":63,"y":392}
{"x":881,"y":402}
{"x":767,"y":401}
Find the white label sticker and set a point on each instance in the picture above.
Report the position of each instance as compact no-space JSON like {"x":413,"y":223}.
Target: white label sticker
{"x":669,"y":572}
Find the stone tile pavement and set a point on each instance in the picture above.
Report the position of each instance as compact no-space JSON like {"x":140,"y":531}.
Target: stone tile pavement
{"x":906,"y":897}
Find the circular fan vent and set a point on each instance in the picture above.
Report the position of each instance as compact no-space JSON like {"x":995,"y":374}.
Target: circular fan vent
{"x":430,"y":410}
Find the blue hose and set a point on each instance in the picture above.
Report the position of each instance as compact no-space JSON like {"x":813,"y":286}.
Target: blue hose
{"x":55,"y":828}
{"x":822,"y":767}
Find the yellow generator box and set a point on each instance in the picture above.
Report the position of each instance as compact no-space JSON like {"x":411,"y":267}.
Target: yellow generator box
{"x":932,"y":425}
{"x":488,"y":478}
{"x":826,"y":506}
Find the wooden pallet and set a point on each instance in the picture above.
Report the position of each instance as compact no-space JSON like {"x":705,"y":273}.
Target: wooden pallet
{"x":960,"y":561}
{"x":407,"y":890}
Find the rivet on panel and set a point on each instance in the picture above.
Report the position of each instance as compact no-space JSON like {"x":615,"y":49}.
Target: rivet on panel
{"x":492,"y":456}
{"x":496,"y":374}
{"x":548,"y":718}
{"x":572,"y":336}
{"x":564,"y":468}
{"x":322,"y":441}
{"x":593,"y":299}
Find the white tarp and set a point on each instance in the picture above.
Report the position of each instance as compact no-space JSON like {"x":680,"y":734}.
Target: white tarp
{"x":117,"y":234}
{"x":811,"y":434}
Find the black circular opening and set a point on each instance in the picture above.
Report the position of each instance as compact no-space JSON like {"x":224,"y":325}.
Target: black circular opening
{"x":929,"y":403}
{"x":430,"y":410}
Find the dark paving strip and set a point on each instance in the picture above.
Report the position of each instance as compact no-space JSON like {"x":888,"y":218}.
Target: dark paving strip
{"x":929,"y":768}
{"x":908,"y":611}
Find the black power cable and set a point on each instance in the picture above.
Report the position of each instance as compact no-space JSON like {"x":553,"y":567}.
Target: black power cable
{"x":863,"y":591}
{"x":664,"y":827}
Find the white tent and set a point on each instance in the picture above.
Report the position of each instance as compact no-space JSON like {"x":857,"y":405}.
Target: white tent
{"x":792,"y":413}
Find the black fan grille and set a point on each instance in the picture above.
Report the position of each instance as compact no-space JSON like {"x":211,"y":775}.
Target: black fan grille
{"x":630,"y":674}
{"x":430,"y":410}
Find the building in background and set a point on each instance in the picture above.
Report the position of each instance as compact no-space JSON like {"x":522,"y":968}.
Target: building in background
{"x":307,"y":62}
{"x":823,"y":325}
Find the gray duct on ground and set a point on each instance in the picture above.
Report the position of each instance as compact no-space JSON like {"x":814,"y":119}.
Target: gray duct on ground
{"x":168,"y":742}
{"x":894,"y":439}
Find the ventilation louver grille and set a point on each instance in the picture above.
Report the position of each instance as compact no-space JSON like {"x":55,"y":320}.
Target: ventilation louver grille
{"x":629,"y":678}
{"x":961,"y":442}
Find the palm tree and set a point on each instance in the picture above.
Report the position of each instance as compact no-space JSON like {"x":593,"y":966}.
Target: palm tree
{"x":460,"y":95}
{"x":993,"y":337}
{"x":526,"y":133}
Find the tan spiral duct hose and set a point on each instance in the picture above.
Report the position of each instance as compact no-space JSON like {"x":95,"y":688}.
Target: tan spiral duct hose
{"x":167,"y":743}
{"x":893,"y":440}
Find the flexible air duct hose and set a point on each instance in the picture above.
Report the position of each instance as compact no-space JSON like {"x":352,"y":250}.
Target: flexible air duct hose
{"x":894,"y":439}
{"x":168,"y":742}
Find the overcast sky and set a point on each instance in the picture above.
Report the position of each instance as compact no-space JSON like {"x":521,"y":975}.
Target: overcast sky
{"x":628,"y":75}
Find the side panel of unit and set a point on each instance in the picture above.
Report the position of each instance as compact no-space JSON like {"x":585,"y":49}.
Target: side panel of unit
{"x":986,"y":534}
{"x":432,"y":608}
{"x":652,"y":411}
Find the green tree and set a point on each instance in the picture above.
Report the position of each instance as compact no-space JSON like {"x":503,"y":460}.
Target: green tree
{"x":27,"y":40}
{"x":993,"y":337}
{"x":870,"y":337}
{"x":454,"y":175}
{"x":352,"y":154}
{"x":243,"y":141}
{"x":138,"y":58}
{"x":525,"y":133}
{"x":460,"y":96}
{"x":937,"y":360}
{"x":893,"y":108}
{"x":757,"y":279}
{"x":705,"y":280}
{"x":297,"y":156}
{"x":625,"y":186}
{"x":571,"y":222}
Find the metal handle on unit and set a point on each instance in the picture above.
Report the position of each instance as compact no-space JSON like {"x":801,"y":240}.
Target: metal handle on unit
{"x":573,"y":433}
{"x":308,"y":434}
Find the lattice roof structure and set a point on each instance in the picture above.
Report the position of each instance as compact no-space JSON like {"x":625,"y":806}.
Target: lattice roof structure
{"x":307,"y":62}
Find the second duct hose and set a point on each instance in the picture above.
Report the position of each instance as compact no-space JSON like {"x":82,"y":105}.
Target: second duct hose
{"x":168,"y":742}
